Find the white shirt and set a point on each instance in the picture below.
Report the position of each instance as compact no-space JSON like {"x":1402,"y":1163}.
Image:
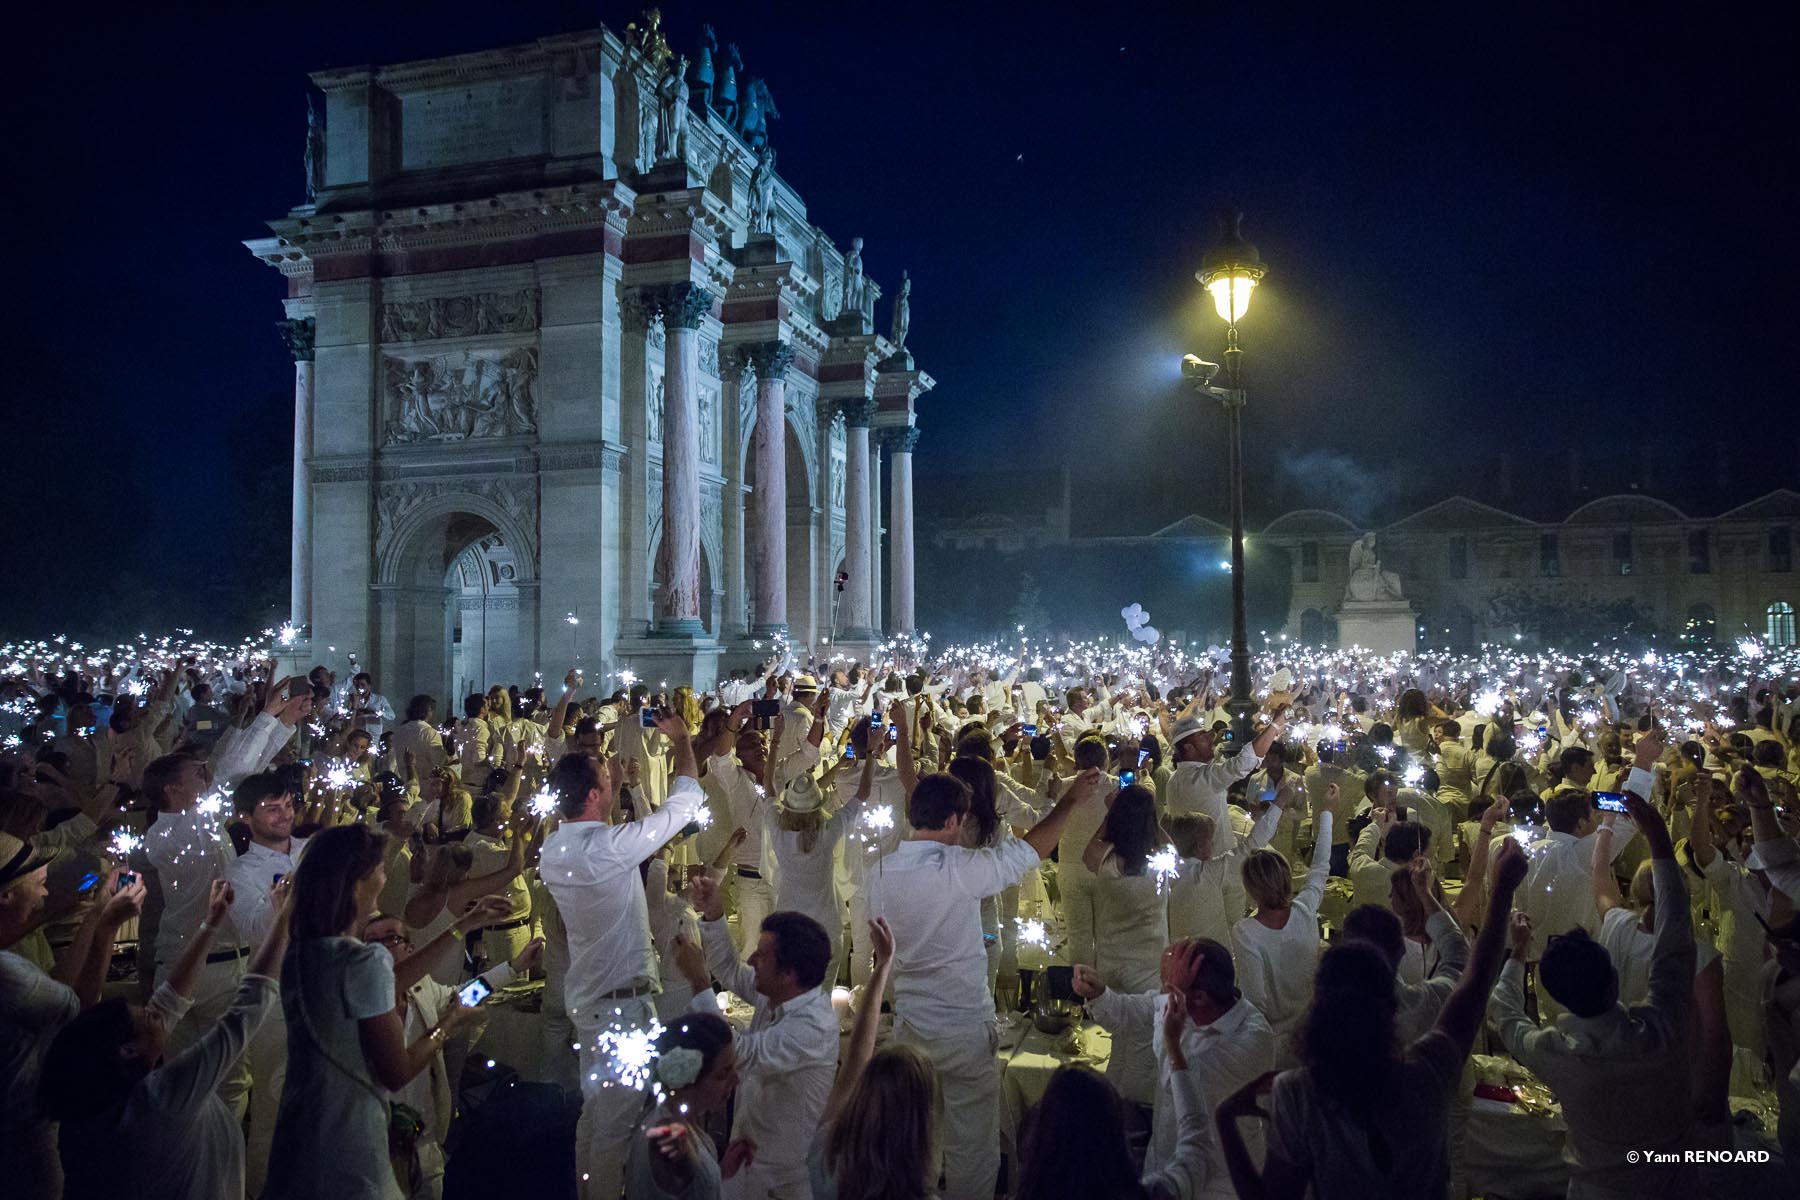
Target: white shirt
{"x":189,"y":850}
{"x":841,"y":710}
{"x":252,"y":876}
{"x":930,"y":895}
{"x":1221,"y":1058}
{"x":866,"y":842}
{"x":747,"y":800}
{"x":426,"y":745}
{"x":1275,"y":966}
{"x":474,"y":745}
{"x":786,"y":1061}
{"x":1200,"y":788}
{"x":1207,"y":896}
{"x":591,"y":869}
{"x":1558,"y":892}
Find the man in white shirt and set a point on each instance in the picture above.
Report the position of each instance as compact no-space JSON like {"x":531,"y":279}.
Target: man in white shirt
{"x":1621,"y":1074}
{"x":188,"y":848}
{"x":881,"y":827}
{"x":489,"y":852}
{"x":1226,"y":1043}
{"x":1559,"y":892}
{"x":735,"y":762}
{"x":591,"y":869}
{"x":787,"y":1058}
{"x":268,"y":806}
{"x":1200,"y":781}
{"x":475,"y":743}
{"x":929,"y":890}
{"x":369,"y":709}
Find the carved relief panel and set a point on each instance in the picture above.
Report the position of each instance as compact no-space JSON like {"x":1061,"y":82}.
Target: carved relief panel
{"x":455,"y":397}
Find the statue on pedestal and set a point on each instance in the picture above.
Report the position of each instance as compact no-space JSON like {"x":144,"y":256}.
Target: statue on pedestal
{"x":725,"y":102}
{"x":902,"y":314}
{"x":672,"y":112}
{"x":648,"y":40}
{"x":853,"y":279}
{"x":762,"y":192}
{"x":315,"y":149}
{"x":1368,"y":583}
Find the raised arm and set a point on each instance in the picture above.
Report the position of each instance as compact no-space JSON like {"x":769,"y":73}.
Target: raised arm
{"x":1043,"y":836}
{"x":1461,"y":1016}
{"x":861,"y":1046}
{"x":903,"y":758}
{"x":1606,"y":887}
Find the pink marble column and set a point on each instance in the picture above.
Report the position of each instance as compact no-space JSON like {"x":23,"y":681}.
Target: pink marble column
{"x":768,"y":499}
{"x":299,"y":337}
{"x":900,"y":443}
{"x":683,"y":305}
{"x":857,"y":617}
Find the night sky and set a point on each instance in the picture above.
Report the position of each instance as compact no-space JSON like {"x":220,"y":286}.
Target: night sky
{"x":1525,"y":231}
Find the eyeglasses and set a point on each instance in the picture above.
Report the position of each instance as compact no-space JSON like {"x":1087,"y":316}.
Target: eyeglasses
{"x":391,"y":939}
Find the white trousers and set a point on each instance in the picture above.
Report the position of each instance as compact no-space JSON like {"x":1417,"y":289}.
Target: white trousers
{"x":610,"y":1111}
{"x":755,"y":900}
{"x":969,"y":1076}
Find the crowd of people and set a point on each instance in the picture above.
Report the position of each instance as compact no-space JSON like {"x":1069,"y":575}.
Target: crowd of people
{"x":764,"y":938}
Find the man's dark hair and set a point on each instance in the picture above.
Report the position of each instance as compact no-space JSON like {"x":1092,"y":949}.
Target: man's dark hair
{"x":1768,"y":753}
{"x":936,"y":799}
{"x":1378,"y":780}
{"x":1090,"y":752}
{"x":420,"y":708}
{"x":1450,"y":729}
{"x":1564,"y":810}
{"x":484,"y":810}
{"x":257,"y":788}
{"x":801,"y":946}
{"x":1405,"y":839}
{"x":1575,"y":756}
{"x":573,"y":777}
{"x":472,"y":705}
{"x":363,"y":677}
{"x":160,"y":774}
{"x":1578,"y":973}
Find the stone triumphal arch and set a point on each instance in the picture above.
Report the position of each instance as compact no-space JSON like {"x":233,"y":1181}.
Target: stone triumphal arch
{"x":577,"y":378}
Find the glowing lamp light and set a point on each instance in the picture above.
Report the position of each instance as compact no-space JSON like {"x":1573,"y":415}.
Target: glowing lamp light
{"x":1231,"y":269}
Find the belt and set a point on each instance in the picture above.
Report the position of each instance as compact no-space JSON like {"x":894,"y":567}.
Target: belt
{"x":231,"y":955}
{"x":629,"y":993}
{"x":508,"y":924}
{"x":749,"y":873}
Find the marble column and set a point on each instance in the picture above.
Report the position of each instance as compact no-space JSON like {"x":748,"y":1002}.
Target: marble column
{"x":767,"y":550}
{"x":678,"y":608}
{"x":875,"y":560}
{"x":857,"y":617}
{"x":299,"y":337}
{"x":900,"y":443}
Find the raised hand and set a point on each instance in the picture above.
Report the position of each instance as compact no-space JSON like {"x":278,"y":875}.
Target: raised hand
{"x":882,"y":939}
{"x":707,"y":899}
{"x":1087,"y":982}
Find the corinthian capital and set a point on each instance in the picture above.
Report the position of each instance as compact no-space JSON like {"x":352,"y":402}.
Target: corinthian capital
{"x":298,"y":336}
{"x":683,"y":304}
{"x":858,"y":412}
{"x":771,"y":360}
{"x":900,"y":439}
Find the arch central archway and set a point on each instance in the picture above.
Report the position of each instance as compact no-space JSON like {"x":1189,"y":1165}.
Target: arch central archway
{"x":457,"y":608}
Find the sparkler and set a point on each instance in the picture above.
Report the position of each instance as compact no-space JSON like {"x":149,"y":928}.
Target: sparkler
{"x":543,"y":803}
{"x":630,"y":1054}
{"x":125,"y":843}
{"x":1165,"y":865}
{"x":1033,"y":933}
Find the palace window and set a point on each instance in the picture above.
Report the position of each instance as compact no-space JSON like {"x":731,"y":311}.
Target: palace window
{"x":1699,"y":552}
{"x":1457,"y":552}
{"x":1781,"y":549}
{"x":1621,"y":553}
{"x":1309,"y":562}
{"x":1779,"y":629}
{"x":1549,"y":555}
{"x":1702,"y":625}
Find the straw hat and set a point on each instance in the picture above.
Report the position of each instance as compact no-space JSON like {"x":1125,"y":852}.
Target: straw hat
{"x":802,"y":795}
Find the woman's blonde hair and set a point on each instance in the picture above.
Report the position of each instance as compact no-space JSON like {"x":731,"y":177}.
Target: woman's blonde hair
{"x":1643,"y":888}
{"x":883,"y":1145}
{"x":499,"y":703}
{"x":687,"y":706}
{"x":1268,"y":880}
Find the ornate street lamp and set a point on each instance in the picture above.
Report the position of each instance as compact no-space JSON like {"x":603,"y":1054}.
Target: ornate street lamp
{"x":1230,"y":272}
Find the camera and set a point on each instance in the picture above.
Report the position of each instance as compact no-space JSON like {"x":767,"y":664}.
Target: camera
{"x":126,"y":879}
{"x":474,"y":992}
{"x":764,"y":711}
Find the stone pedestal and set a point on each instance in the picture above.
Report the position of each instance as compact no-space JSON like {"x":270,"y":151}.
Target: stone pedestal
{"x":680,"y":659}
{"x":1384,"y":626}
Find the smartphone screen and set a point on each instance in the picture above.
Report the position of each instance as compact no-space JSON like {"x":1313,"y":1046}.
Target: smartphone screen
{"x":1143,"y":757}
{"x":849,"y":752}
{"x":648,"y":717}
{"x":1029,"y":731}
{"x":126,"y":879}
{"x":1126,"y":779}
{"x":474,"y":992}
{"x":87,"y":882}
{"x":1610,"y":801}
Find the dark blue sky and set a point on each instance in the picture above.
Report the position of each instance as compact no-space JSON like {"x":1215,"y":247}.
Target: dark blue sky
{"x":1525,"y":230}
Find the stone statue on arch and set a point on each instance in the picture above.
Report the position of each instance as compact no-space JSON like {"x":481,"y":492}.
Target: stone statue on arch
{"x":1368,"y":582}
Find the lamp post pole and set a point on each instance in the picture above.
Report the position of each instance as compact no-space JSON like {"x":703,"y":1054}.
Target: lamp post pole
{"x":1231,"y":270}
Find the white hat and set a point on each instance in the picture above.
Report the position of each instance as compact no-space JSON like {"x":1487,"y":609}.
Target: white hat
{"x":1187,"y":727}
{"x":802,"y":795}
{"x":805,"y":683}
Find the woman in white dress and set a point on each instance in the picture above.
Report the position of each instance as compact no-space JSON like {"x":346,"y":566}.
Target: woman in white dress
{"x":1131,"y":923}
{"x":1277,"y":946}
